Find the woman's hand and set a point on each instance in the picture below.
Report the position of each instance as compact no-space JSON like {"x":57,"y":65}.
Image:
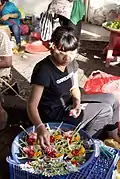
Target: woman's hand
{"x":76,"y":108}
{"x":5,"y":17}
{"x":43,"y":136}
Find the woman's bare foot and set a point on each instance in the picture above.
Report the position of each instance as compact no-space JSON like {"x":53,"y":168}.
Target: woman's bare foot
{"x":114,"y":135}
{"x":112,"y":143}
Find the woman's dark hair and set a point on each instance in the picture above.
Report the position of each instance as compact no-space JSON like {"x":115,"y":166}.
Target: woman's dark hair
{"x":3,"y":1}
{"x":64,"y":38}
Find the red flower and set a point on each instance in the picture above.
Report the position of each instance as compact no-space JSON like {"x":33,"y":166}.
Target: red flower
{"x":50,"y":152}
{"x":32,"y":138}
{"x":29,"y":151}
{"x":75,"y":152}
{"x":52,"y":139}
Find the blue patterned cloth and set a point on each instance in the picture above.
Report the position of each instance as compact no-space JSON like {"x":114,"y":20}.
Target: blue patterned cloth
{"x":10,"y":8}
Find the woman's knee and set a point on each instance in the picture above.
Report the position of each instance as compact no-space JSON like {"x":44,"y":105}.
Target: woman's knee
{"x":112,"y":100}
{"x":16,"y":29}
{"x":106,"y":112}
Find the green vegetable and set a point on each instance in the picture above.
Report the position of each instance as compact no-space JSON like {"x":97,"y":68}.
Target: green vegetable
{"x":115,"y":24}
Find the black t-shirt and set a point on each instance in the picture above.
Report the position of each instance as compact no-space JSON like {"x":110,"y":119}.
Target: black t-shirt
{"x":57,"y":84}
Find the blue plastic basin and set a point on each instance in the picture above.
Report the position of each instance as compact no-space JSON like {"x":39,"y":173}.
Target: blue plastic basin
{"x":89,"y":157}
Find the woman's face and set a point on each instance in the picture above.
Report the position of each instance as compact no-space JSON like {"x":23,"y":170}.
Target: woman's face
{"x":0,"y":4}
{"x":64,"y":58}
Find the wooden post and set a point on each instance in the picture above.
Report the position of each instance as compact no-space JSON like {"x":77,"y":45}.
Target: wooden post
{"x":86,"y":3}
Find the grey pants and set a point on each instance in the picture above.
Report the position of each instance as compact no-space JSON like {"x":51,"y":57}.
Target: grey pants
{"x":102,"y":110}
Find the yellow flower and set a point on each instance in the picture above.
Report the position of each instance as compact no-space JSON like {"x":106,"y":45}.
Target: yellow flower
{"x":15,"y":51}
{"x":51,"y":45}
{"x":81,"y":151}
{"x":58,"y":155}
{"x":58,"y":137}
{"x":70,"y":155}
{"x":37,"y":154}
{"x":76,"y":138}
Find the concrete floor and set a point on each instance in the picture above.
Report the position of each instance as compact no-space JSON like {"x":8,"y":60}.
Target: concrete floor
{"x":24,"y":63}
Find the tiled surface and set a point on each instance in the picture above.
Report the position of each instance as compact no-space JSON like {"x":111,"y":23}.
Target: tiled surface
{"x":24,"y":63}
{"x":94,"y":33}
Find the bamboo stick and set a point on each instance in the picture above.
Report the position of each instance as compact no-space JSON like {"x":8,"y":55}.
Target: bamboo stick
{"x":23,"y":129}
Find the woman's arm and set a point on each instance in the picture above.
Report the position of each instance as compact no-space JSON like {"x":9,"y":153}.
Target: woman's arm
{"x":13,"y":15}
{"x":32,"y":108}
{"x":10,"y":11}
{"x":5,"y":62}
{"x":33,"y":102}
{"x":75,"y":91}
{"x":76,"y":97}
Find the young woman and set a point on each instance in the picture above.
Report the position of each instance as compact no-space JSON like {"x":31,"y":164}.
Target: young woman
{"x":55,"y":88}
{"x":10,"y":15}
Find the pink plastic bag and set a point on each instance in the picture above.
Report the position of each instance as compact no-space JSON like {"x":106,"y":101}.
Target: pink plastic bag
{"x":112,"y":87}
{"x":101,"y":82}
{"x":24,"y":29}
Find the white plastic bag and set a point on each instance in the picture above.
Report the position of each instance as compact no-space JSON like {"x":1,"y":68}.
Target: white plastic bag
{"x":100,"y":11}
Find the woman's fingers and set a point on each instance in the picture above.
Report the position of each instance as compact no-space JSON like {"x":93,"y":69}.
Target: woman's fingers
{"x":75,"y":112}
{"x":42,"y":143}
{"x":78,"y":111}
{"x":43,"y":136}
{"x":47,"y":140}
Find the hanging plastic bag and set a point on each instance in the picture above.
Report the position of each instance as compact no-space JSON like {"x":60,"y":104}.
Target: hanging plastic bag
{"x":78,"y":11}
{"x":61,"y":7}
{"x":46,"y":25}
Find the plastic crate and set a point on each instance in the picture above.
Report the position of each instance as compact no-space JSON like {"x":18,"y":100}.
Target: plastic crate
{"x":100,"y":168}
